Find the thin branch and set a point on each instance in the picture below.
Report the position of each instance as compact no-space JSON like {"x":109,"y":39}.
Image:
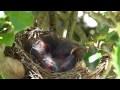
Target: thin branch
{"x":81,"y":34}
{"x":72,"y":24}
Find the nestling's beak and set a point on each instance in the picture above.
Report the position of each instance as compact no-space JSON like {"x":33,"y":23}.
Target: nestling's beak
{"x":49,"y":64}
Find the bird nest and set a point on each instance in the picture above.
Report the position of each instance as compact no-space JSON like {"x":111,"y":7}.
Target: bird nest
{"x":33,"y":70}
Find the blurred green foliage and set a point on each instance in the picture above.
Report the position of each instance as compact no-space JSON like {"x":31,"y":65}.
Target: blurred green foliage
{"x":13,"y":22}
{"x":60,"y":21}
{"x":21,"y":20}
{"x":1,"y":77}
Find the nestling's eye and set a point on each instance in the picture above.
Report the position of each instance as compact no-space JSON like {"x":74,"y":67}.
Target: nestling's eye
{"x":42,"y":53}
{"x":66,"y":54}
{"x":47,"y":48}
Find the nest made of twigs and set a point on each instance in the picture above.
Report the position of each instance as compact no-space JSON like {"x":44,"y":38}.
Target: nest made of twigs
{"x":34,"y":71}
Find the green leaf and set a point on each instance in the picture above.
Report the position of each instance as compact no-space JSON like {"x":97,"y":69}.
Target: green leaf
{"x":1,"y":77}
{"x":116,"y":59}
{"x":103,"y":29}
{"x":21,"y":20}
{"x":7,"y":38}
{"x":92,"y":59}
{"x":2,"y":21}
{"x":112,"y":36}
{"x":76,"y":37}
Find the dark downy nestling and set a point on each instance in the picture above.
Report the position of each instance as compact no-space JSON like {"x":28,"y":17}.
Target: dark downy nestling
{"x":52,"y":52}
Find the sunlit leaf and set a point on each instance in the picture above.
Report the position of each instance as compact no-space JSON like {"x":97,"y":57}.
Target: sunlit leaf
{"x":20,"y":19}
{"x":92,"y":59}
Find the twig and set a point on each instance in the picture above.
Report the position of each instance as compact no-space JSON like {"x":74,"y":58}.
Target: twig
{"x":81,"y":34}
{"x":34,"y":75}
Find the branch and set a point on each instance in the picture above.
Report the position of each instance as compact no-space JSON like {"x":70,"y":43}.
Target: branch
{"x":81,"y":33}
{"x":61,"y":15}
{"x":41,"y":19}
{"x":72,"y":24}
{"x":53,"y":21}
